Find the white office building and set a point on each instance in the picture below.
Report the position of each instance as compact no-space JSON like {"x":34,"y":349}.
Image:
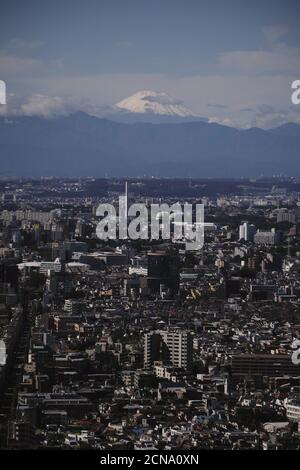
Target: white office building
{"x":247,"y":232}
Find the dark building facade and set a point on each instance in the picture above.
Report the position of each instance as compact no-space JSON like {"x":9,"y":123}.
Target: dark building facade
{"x":163,"y":272}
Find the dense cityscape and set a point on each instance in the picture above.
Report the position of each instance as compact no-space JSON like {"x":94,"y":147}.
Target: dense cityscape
{"x":142,"y":344}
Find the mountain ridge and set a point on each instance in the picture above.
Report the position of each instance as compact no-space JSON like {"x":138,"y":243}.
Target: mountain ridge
{"x":84,"y":145}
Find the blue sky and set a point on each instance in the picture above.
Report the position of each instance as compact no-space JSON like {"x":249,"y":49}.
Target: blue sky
{"x":232,"y":61}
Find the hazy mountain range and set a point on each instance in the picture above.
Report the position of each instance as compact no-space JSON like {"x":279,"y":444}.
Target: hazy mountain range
{"x":83,"y":145}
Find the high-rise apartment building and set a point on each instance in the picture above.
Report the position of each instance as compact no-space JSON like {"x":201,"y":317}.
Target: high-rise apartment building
{"x":172,"y":346}
{"x":267,"y":238}
{"x":284,"y":215}
{"x":247,"y":232}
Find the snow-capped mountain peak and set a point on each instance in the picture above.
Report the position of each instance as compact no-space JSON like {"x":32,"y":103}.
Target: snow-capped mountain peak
{"x":154,"y":102}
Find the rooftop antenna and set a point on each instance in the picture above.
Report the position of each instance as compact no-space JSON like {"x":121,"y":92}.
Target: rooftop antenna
{"x":126,"y":197}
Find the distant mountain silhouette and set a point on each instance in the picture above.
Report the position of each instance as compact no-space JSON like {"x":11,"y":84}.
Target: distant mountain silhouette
{"x":289,"y":130}
{"x":83,"y":145}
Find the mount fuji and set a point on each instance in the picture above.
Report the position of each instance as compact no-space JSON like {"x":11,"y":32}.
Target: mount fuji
{"x":156,"y":102}
{"x":152,"y":106}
